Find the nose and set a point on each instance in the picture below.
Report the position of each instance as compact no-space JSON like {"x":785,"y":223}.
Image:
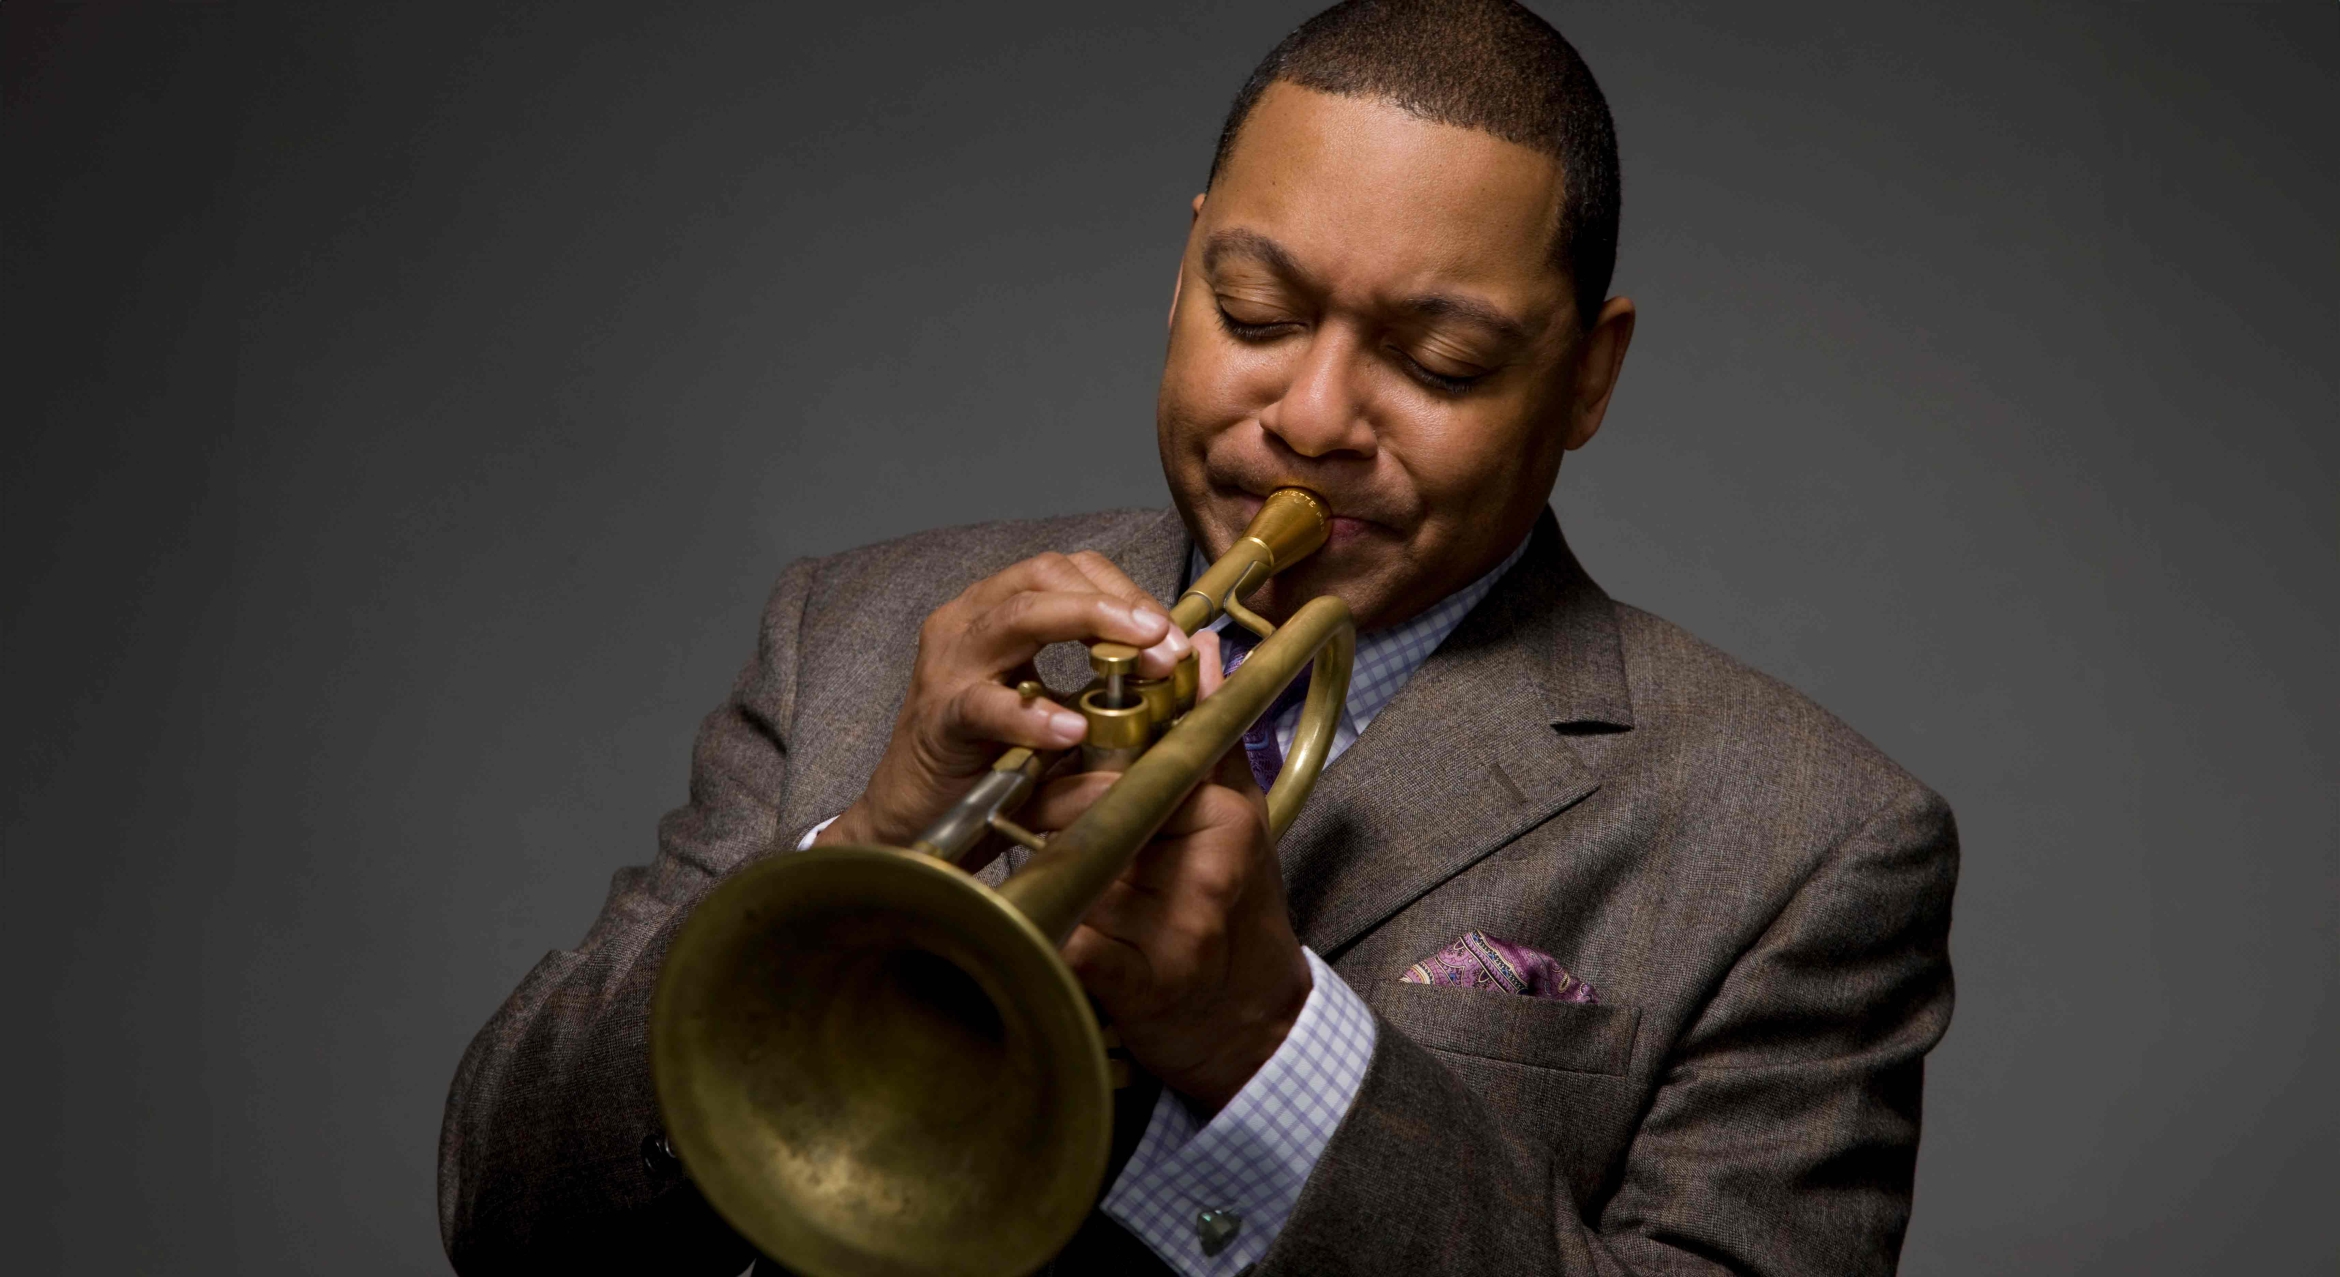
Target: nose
{"x":1322,"y":412}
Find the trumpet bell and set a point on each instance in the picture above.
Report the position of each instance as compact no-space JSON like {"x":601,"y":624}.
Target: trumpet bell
{"x":874,"y":1064}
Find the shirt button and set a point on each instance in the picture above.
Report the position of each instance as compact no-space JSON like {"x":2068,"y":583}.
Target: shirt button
{"x":1215,"y":1228}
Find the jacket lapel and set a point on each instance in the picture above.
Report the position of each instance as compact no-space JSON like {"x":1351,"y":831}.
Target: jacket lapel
{"x":1468,"y":756}
{"x":1155,"y":555}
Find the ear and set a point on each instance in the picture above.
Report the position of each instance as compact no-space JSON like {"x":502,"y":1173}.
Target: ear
{"x":1178,"y":280}
{"x":1600,"y":357}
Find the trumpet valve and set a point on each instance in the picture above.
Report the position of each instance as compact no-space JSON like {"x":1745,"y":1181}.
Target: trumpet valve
{"x":1116,"y":664}
{"x":1117,"y":733}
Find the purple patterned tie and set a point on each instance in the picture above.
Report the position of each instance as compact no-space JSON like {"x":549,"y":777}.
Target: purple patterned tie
{"x":1259,"y":742}
{"x":1480,"y":961}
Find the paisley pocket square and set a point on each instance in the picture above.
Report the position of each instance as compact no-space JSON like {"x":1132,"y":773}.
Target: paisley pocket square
{"x":1477,"y":960}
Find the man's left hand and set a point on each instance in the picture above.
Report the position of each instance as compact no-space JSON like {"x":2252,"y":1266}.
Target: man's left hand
{"x":1191,"y":952}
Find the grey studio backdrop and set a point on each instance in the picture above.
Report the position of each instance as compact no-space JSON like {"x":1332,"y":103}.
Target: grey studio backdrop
{"x":408,"y":407}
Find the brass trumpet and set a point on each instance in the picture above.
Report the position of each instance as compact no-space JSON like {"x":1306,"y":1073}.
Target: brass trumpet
{"x":872,"y":1063}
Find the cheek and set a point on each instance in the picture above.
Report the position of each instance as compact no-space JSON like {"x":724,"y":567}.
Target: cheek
{"x":1212,"y":381}
{"x":1461,"y":456}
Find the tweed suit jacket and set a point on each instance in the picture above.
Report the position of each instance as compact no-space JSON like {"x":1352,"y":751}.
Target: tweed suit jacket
{"x":1762,"y":898}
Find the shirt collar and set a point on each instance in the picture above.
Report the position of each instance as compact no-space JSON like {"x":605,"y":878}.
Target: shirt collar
{"x":1387,"y":658}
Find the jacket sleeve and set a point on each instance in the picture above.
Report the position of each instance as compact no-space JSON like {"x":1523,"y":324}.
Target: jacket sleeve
{"x":1782,"y":1137}
{"x":542,"y":1157}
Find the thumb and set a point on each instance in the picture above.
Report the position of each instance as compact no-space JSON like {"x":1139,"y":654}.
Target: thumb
{"x":1233,"y":769}
{"x":1210,"y":656}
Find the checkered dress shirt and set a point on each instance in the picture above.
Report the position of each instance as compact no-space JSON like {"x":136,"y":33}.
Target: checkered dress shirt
{"x":1254,"y":1156}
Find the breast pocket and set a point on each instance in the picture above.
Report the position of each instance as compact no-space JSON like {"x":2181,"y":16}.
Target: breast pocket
{"x":1555,"y":1075}
{"x":1510,"y":1028}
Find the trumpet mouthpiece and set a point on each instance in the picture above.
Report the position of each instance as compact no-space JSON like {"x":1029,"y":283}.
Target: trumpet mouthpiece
{"x":1292,"y":524}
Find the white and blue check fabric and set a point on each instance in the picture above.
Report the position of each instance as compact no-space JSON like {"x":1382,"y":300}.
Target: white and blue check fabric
{"x":1385,"y":658}
{"x":1253,"y":1158}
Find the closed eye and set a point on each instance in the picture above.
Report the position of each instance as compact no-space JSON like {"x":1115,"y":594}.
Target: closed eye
{"x":1429,"y":378}
{"x":1241,"y":330}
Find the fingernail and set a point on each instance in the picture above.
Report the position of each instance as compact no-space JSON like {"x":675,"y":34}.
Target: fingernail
{"x":1066,"y":723}
{"x":1148,"y":616}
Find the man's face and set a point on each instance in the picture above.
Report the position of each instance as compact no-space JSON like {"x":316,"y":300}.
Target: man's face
{"x":1368,"y":307}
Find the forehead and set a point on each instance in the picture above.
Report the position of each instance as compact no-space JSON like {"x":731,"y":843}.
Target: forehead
{"x":1369,"y":196}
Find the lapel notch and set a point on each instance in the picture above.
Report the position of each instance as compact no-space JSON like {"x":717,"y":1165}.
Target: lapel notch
{"x":1469,"y":756}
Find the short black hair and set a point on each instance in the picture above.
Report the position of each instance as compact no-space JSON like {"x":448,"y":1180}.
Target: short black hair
{"x":1489,"y":65}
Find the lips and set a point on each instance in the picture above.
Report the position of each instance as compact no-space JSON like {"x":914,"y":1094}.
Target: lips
{"x":1348,"y":536}
{"x":1348,"y":522}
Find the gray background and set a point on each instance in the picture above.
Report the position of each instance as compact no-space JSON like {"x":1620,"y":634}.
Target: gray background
{"x":407,"y":411}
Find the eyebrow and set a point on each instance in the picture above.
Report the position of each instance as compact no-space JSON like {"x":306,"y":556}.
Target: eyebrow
{"x":1237,"y":242}
{"x":1231,"y":243}
{"x":1444,"y":306}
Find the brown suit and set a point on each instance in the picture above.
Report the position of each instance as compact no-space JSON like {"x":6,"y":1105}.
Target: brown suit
{"x":1762,"y":898}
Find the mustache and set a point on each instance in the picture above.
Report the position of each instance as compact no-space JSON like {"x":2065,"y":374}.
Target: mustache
{"x":1348,"y":500}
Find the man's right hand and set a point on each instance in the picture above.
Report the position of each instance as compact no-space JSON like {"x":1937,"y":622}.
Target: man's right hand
{"x":962,"y":707}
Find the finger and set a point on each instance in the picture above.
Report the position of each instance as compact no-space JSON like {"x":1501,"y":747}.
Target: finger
{"x":1216,"y":808}
{"x":1108,"y":578}
{"x":1050,"y":571}
{"x":1233,"y":771}
{"x":1013,"y":631}
{"x":1213,"y":660}
{"x":1060,"y":802}
{"x":1025,"y":673}
{"x":1176,"y":905}
{"x":1110,"y":968}
{"x":1130,"y":913}
{"x":1159,"y":659}
{"x":1187,"y":869}
{"x":1083,"y":571}
{"x":983,"y":716}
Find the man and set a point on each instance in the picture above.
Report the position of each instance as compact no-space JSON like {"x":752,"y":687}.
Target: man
{"x":1706,"y":921}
